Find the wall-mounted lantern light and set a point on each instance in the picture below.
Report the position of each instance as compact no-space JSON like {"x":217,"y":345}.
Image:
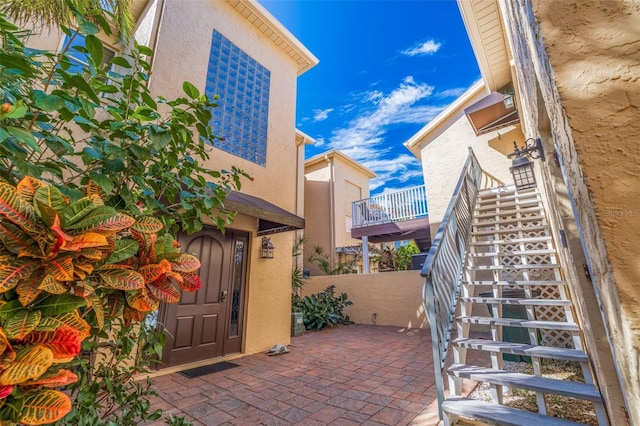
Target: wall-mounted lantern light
{"x":509,"y":100}
{"x":522,"y":167}
{"x":266,"y":249}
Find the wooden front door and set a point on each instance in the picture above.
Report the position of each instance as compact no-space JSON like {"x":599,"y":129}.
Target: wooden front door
{"x":209,"y":323}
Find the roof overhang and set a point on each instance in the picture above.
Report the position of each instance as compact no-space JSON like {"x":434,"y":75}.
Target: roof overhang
{"x":484,"y":26}
{"x":333,"y":154}
{"x":268,"y":25}
{"x":490,"y":113}
{"x":271,"y":218}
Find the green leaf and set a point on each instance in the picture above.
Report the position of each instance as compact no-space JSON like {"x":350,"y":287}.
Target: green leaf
{"x":95,"y":48}
{"x":79,"y":82}
{"x":160,"y":140}
{"x":97,"y":215}
{"x":24,"y":136}
{"x":124,"y":249}
{"x":50,"y":196}
{"x":59,"y":304}
{"x":86,"y":27}
{"x":145,"y":50}
{"x":191,"y":90}
{"x":47,"y":102}
{"x":121,"y":62}
{"x":140,"y":152}
{"x":103,"y":181}
{"x":76,"y":211}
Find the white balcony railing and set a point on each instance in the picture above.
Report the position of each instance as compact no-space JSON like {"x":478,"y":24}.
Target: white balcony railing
{"x":391,"y":207}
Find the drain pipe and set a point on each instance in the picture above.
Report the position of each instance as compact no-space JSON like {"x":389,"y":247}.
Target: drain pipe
{"x":332,"y":213}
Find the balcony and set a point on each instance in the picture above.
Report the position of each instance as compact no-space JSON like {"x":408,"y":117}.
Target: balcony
{"x":394,"y":216}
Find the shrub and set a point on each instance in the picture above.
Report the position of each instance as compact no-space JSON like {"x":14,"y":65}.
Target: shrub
{"x":96,"y":176}
{"x":323,"y":309}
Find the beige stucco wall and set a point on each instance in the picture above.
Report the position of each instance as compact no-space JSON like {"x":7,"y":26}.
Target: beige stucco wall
{"x":395,"y":297}
{"x":444,"y":152}
{"x":331,"y":185}
{"x":351,"y":185}
{"x":317,"y":216}
{"x":577,"y":66}
{"x":182,"y":53}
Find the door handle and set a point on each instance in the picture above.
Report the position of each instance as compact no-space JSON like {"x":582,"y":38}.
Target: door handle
{"x":223,"y":296}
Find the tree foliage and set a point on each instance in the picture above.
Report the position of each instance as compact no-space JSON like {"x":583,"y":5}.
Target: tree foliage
{"x":96,"y":177}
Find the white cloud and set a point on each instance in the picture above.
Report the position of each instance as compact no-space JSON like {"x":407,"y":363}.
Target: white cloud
{"x":363,"y":139}
{"x":452,"y":93}
{"x":321,"y":114}
{"x":364,"y":135}
{"x":428,"y":47}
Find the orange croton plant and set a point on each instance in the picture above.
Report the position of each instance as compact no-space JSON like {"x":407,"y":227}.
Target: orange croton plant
{"x":62,"y":263}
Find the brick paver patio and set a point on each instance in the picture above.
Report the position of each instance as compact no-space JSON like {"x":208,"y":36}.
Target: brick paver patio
{"x":350,"y":375}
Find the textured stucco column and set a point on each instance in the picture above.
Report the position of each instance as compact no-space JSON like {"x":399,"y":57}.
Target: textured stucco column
{"x":577,"y":62}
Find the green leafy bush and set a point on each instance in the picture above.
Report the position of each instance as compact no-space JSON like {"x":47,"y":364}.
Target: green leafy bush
{"x":323,"y":309}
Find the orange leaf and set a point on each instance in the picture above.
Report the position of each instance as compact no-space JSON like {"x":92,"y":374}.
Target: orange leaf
{"x":92,"y":253}
{"x":191,"y":282}
{"x":131,"y":314}
{"x":16,"y":209}
{"x":61,"y":236}
{"x":164,"y":291}
{"x":83,"y":241}
{"x":185,"y":263}
{"x":71,"y":319}
{"x":156,"y":271}
{"x":30,"y":363}
{"x":44,"y":407}
{"x":28,"y":289}
{"x":5,"y":391}
{"x":61,"y":269}
{"x":147,"y":225}
{"x":21,"y":323}
{"x":51,"y":285}
{"x":64,"y":342}
{"x":122,"y":279}
{"x":13,"y":270}
{"x":141,"y":301}
{"x":27,"y":188}
{"x":54,"y":379}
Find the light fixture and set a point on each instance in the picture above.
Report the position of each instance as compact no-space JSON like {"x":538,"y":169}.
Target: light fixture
{"x":509,"y":100}
{"x":521,"y":167}
{"x":266,"y":250}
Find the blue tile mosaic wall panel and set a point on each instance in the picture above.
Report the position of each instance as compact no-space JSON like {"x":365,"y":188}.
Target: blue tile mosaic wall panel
{"x":243,"y":86}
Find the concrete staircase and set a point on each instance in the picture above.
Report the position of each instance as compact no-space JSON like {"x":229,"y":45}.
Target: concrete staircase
{"x":511,"y":267}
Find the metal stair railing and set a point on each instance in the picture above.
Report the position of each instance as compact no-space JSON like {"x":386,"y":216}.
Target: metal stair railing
{"x":442,"y":269}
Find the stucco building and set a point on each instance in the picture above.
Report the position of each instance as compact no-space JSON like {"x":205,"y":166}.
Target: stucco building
{"x":332,"y":182}
{"x":572,"y":69}
{"x":235,"y":49}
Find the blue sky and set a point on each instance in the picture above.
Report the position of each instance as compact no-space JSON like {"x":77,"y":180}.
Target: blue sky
{"x":386,"y":69}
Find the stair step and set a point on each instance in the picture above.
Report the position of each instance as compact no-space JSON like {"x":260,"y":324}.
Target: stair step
{"x":516,"y":282}
{"x":509,"y":189}
{"x":516,"y":266}
{"x":522,"y":323}
{"x":507,"y":212}
{"x":487,"y":222}
{"x":527,"y":381}
{"x":548,"y":352}
{"x":512,"y":301}
{"x":512,"y":253}
{"x":507,"y":197}
{"x":512,"y":230}
{"x":520,"y":203}
{"x":511,"y":241}
{"x":499,"y":415}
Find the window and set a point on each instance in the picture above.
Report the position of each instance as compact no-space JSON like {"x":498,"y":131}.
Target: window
{"x":243,"y":86}
{"x":74,"y":46}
